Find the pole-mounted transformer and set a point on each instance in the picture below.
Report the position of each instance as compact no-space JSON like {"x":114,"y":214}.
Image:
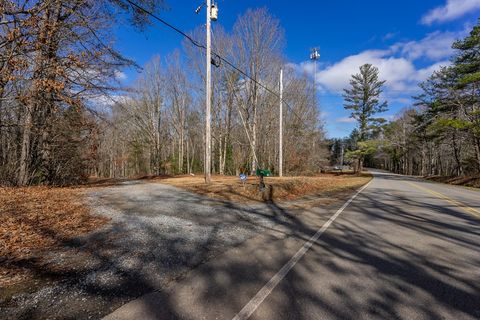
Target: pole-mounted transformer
{"x":213,"y":12}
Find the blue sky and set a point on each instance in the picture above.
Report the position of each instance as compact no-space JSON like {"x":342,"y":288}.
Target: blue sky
{"x":406,"y":39}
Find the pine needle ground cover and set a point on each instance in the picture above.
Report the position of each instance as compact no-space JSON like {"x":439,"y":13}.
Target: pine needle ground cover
{"x":34,"y":220}
{"x":277,"y":189}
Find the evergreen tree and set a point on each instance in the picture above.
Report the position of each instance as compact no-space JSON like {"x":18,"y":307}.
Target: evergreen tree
{"x":467,"y":68}
{"x":467,"y":61}
{"x":363,"y":98}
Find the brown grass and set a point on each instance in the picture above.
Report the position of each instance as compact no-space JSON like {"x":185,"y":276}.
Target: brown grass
{"x":34,"y":219}
{"x":278,"y":189}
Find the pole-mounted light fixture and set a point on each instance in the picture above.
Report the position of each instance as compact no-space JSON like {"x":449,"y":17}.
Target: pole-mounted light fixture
{"x":213,"y":10}
{"x":199,"y":8}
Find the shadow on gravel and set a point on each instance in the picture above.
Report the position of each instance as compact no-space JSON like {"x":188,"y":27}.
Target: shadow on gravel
{"x":145,"y":249}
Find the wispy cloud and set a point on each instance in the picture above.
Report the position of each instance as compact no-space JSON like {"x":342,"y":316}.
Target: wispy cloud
{"x":324,"y":114}
{"x":394,"y":70}
{"x":397,"y":64}
{"x":345,"y":120}
{"x":104,"y":100}
{"x":120,"y":75}
{"x":434,"y":46}
{"x":452,"y":10}
{"x":389,"y":36}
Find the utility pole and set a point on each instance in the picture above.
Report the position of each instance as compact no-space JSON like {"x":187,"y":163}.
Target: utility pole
{"x":208,"y":101}
{"x":341,"y":155}
{"x":212,"y":15}
{"x":280,"y":134}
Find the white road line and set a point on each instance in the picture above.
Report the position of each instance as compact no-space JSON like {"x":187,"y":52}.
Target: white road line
{"x":253,"y":304}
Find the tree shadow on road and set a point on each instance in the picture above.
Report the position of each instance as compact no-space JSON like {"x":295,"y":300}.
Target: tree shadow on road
{"x":358,"y":265}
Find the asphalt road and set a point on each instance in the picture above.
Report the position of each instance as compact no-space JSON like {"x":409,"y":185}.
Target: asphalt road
{"x":402,"y":249}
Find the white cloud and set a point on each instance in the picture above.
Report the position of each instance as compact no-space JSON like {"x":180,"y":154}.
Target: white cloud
{"x":396,"y":71}
{"x":424,"y":73}
{"x":108,"y":100}
{"x":324,"y":114}
{"x":434,"y":46}
{"x":397,"y":65}
{"x":119,"y":75}
{"x":450,"y":11}
{"x":389,"y":36}
{"x":345,"y":120}
{"x":401,"y":99}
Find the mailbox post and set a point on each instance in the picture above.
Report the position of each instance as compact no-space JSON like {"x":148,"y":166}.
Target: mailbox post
{"x":261,"y":173}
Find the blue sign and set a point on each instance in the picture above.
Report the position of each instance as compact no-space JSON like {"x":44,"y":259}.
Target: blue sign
{"x":243,"y":176}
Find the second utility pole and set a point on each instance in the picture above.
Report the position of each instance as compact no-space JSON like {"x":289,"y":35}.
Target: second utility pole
{"x":208,"y":101}
{"x":280,"y":125}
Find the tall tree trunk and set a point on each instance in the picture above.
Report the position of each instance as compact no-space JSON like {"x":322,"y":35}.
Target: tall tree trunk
{"x":24,"y":168}
{"x":456,"y":153}
{"x":477,"y":153}
{"x":220,"y":154}
{"x":188,"y":156}
{"x":224,"y":156}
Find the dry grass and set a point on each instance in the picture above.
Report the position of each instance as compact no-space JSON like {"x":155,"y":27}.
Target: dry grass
{"x":278,"y":189}
{"x":35,"y":219}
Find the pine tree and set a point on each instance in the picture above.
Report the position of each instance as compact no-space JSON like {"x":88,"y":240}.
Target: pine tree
{"x":467,"y":62}
{"x":467,"y":68}
{"x":363,"y":98}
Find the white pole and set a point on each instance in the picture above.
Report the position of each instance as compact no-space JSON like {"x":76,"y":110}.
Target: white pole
{"x":280,"y":137}
{"x":208,"y":100}
{"x":341,"y":156}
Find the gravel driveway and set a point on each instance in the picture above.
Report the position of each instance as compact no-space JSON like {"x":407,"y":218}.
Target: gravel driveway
{"x":156,"y":234}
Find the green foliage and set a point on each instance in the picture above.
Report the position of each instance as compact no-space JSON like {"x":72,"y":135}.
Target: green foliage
{"x":365,"y":148}
{"x":229,"y":163}
{"x":442,"y":134}
{"x":469,"y":78}
{"x":363,"y":99}
{"x":444,"y":124}
{"x":467,"y":61}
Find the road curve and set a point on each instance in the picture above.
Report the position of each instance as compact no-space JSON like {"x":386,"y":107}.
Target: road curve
{"x":402,"y":249}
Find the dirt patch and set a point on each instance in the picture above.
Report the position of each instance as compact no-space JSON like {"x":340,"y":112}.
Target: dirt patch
{"x":468,"y":181}
{"x":96,"y":182}
{"x":34,"y":220}
{"x":279,"y":189}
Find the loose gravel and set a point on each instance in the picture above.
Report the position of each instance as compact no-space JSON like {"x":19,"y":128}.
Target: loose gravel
{"x":157,"y":233}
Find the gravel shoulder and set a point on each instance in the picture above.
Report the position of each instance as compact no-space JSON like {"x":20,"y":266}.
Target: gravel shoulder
{"x":156,"y":234}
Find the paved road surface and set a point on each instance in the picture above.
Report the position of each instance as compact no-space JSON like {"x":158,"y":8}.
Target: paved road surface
{"x":402,"y":249}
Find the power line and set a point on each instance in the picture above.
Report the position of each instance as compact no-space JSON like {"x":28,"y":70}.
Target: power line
{"x":200,"y":45}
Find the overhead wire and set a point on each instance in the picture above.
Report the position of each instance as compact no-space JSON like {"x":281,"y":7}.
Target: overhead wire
{"x":202,"y":46}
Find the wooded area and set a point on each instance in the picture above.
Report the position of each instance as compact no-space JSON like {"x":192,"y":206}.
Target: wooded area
{"x":438,"y":135}
{"x":64,"y":118}
{"x":159,"y":128}
{"x":55,"y":57}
